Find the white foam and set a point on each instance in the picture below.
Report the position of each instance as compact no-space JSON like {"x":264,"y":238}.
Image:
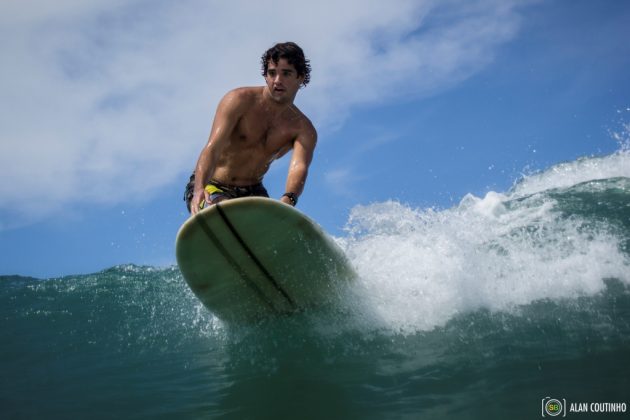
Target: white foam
{"x":420,"y":268}
{"x":572,"y":173}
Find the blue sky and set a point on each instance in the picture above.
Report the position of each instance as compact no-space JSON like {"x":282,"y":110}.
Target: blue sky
{"x":105,"y":106}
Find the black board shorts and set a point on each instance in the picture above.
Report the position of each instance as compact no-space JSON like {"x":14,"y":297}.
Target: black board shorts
{"x":219,"y":191}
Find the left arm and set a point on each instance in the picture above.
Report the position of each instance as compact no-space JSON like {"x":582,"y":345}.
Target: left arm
{"x":303,"y":148}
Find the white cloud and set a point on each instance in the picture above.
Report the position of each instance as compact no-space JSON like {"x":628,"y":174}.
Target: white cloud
{"x":105,"y":101}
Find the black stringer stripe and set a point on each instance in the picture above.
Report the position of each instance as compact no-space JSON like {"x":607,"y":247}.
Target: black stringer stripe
{"x":254,"y":258}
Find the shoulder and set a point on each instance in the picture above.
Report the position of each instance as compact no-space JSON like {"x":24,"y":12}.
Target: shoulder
{"x":306,"y":130}
{"x":306,"y":126}
{"x":240,"y":98}
{"x":244,"y":94}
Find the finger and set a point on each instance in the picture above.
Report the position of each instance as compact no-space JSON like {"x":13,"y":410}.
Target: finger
{"x":194,"y":206}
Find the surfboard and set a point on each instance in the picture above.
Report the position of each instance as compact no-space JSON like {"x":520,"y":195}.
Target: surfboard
{"x":252,"y":257}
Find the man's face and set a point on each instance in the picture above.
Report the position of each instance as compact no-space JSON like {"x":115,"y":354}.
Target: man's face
{"x":282,"y":80}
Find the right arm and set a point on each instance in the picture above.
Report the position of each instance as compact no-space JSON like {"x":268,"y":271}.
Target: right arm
{"x":228,"y":113}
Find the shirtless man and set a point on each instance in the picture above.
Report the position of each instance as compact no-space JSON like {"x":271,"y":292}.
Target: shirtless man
{"x":254,"y":126}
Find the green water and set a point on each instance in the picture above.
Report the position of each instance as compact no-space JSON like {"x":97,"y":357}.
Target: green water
{"x":133,"y":343}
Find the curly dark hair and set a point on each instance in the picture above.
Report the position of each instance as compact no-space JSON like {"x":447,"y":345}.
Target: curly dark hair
{"x":293,"y":54}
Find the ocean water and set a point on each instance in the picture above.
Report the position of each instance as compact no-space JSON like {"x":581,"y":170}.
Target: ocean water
{"x":481,"y":311}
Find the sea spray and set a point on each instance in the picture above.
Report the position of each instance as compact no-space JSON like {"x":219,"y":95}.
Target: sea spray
{"x":420,"y":268}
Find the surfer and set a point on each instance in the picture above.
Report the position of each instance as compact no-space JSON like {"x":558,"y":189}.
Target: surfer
{"x":253,"y":126}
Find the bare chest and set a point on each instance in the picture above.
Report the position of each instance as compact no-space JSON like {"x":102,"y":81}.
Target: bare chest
{"x":257,"y":130}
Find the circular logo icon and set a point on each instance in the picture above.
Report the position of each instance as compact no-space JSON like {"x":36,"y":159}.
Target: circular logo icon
{"x":553,"y":407}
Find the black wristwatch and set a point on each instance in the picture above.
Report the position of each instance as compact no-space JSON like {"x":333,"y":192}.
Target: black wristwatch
{"x":292,"y":196}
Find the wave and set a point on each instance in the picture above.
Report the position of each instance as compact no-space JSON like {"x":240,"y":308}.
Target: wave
{"x":558,"y":234}
{"x":499,"y":297}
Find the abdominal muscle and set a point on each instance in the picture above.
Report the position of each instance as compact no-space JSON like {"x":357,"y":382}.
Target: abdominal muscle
{"x":246,"y":167}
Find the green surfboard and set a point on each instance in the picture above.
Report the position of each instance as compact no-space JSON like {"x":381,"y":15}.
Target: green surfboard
{"x":252,"y":257}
